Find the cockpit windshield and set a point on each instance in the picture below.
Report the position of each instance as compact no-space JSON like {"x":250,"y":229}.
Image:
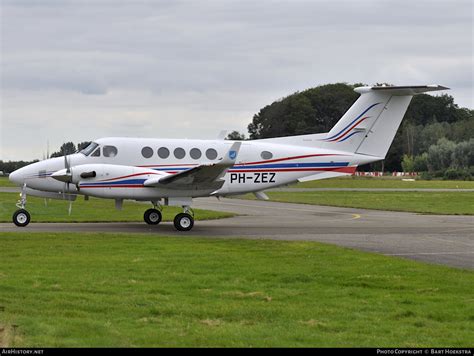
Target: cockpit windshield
{"x":89,"y":148}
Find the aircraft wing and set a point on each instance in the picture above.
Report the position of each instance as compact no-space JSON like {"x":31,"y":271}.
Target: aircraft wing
{"x":205,"y":176}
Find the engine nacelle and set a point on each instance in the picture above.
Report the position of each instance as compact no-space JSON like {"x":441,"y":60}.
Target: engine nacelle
{"x":91,"y":177}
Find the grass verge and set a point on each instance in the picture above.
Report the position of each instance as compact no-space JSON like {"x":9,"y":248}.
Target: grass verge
{"x":447,"y":203}
{"x":4,"y":182}
{"x":94,"y":210}
{"x":81,"y":290}
{"x":385,"y":182}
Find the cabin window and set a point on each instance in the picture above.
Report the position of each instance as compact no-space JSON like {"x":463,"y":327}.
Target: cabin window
{"x":96,"y":153}
{"x":163,"y":152}
{"x":195,"y":153}
{"x":89,"y":148}
{"x":211,"y":154}
{"x":266,"y":155}
{"x":179,"y":153}
{"x":147,"y":152}
{"x":109,"y":151}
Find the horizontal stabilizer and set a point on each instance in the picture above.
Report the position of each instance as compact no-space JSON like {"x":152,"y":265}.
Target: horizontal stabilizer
{"x":401,"y":90}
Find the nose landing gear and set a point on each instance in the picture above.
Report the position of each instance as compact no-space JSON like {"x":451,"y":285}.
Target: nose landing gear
{"x":21,"y":217}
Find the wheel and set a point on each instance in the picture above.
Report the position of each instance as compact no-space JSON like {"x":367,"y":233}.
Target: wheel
{"x":183,"y":222}
{"x":152,"y":217}
{"x":21,"y":218}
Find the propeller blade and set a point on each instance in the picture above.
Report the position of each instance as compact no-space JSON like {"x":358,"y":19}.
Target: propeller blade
{"x":66,"y":164}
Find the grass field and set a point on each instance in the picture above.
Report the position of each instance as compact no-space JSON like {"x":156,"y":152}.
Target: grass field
{"x":142,"y":290}
{"x":94,"y":210}
{"x":385,"y":182}
{"x":456,"y":203}
{"x":4,"y":182}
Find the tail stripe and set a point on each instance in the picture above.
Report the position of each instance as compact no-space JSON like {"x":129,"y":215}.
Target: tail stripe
{"x":357,"y":118}
{"x":352,"y":134}
{"x":345,"y":133}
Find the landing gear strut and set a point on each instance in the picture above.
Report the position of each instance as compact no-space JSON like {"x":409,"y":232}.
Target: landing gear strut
{"x":21,"y":217}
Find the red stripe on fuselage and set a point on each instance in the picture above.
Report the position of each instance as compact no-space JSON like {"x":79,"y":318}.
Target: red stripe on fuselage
{"x":335,"y":169}
{"x":130,"y":175}
{"x":114,"y":186}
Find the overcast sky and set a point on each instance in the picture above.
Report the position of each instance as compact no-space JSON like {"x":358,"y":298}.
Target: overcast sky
{"x":75,"y":70}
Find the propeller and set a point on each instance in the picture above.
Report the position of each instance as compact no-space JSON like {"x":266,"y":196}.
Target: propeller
{"x":68,"y":179}
{"x":66,"y":176}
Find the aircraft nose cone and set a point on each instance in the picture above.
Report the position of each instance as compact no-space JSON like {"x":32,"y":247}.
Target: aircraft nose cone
{"x":16,"y":177}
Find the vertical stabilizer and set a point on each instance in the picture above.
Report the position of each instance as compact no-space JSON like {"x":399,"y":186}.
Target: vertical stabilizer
{"x":370,"y":125}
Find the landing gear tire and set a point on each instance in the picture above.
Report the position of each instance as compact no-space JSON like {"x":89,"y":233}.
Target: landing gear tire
{"x":183,"y":222}
{"x":152,"y":217}
{"x":21,"y":218}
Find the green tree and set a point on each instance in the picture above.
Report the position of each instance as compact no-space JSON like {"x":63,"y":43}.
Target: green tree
{"x":10,"y":166}
{"x":408,"y":163}
{"x":427,"y":120}
{"x":66,"y":149}
{"x":425,"y":109}
{"x":463,"y":154}
{"x":235,"y":136}
{"x":420,"y":163}
{"x":311,"y":111}
{"x":440,"y":155}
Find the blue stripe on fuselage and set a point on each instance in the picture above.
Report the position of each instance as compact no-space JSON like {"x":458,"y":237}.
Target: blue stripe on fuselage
{"x":293,"y":165}
{"x":125,"y":181}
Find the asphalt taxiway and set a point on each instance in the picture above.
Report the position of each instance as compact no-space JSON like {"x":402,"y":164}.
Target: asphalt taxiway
{"x":441,"y":239}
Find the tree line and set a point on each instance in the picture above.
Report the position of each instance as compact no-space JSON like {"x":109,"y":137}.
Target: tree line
{"x":435,"y":136}
{"x":66,"y":148}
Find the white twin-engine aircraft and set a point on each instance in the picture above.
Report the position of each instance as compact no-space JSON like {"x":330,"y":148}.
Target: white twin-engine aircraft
{"x":174,"y":171}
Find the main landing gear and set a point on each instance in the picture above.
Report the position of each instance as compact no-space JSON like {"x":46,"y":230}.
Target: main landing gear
{"x":152,"y":216}
{"x":182,"y":222}
{"x":21,"y":217}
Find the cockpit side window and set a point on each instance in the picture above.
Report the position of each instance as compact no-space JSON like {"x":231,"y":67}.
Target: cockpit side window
{"x":96,"y":153}
{"x":89,"y":148}
{"x":110,"y":151}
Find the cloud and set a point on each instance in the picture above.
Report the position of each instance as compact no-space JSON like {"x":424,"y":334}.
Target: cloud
{"x":120,"y":67}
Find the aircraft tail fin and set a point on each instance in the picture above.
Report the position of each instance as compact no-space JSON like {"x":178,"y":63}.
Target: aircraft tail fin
{"x":370,"y":124}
